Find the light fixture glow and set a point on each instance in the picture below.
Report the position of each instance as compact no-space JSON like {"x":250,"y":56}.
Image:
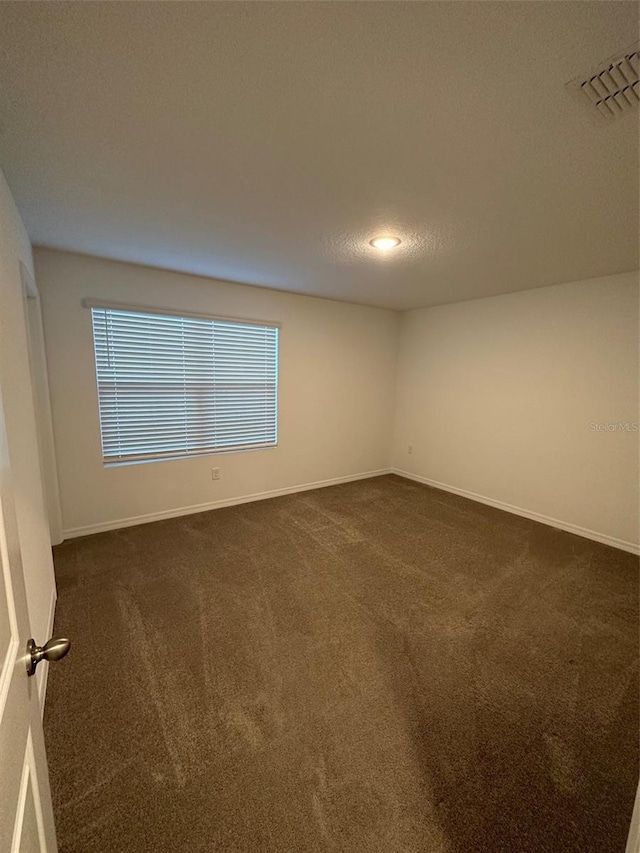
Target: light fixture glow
{"x":385,"y":243}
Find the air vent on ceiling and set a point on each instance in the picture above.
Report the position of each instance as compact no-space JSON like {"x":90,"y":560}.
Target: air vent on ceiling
{"x":615,"y":88}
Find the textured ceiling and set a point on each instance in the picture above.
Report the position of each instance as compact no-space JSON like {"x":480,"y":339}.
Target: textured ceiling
{"x":268,"y":142}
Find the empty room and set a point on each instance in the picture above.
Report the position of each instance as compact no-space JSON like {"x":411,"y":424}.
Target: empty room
{"x":319,"y":446}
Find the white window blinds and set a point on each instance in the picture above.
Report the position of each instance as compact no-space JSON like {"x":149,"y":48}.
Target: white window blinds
{"x":182,"y":386}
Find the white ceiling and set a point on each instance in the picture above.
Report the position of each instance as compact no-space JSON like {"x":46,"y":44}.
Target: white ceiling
{"x":268,"y":142}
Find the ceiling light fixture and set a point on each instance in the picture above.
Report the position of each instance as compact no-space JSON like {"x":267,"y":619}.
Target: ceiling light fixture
{"x":385,"y":243}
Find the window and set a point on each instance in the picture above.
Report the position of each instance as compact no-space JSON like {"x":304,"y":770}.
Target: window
{"x":183,"y":386}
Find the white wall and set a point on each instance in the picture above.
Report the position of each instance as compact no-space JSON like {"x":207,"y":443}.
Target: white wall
{"x":337,"y":364}
{"x":497,"y":396}
{"x":22,"y":434}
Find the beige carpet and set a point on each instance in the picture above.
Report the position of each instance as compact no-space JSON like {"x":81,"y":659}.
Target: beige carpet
{"x":377,"y":666}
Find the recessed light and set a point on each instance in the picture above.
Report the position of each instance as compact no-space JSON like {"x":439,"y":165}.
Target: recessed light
{"x":385,"y":242}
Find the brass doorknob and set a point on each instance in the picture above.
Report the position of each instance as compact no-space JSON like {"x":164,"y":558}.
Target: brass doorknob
{"x":53,"y":649}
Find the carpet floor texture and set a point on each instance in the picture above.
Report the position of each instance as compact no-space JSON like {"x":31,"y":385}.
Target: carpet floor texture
{"x":377,"y":666}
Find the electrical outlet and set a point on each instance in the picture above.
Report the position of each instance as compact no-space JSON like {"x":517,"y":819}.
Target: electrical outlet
{"x":410,"y":449}
{"x":215,"y":473}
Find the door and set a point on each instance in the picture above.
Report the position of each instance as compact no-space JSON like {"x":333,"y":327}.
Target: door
{"x":26,"y":816}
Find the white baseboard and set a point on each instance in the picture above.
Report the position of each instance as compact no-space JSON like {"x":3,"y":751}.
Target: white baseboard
{"x":117,"y":524}
{"x":633,"y":840}
{"x":525,"y":513}
{"x":190,"y":510}
{"x":42,"y":673}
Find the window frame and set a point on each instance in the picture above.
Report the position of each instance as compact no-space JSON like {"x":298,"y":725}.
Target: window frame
{"x":180,"y":314}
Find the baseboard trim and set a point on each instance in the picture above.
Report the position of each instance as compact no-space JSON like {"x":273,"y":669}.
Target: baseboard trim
{"x":622,"y":544}
{"x":42,"y":674}
{"x":633,"y":840}
{"x":243,"y":499}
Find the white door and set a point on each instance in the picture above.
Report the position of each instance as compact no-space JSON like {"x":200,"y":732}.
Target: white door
{"x":26,"y":816}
